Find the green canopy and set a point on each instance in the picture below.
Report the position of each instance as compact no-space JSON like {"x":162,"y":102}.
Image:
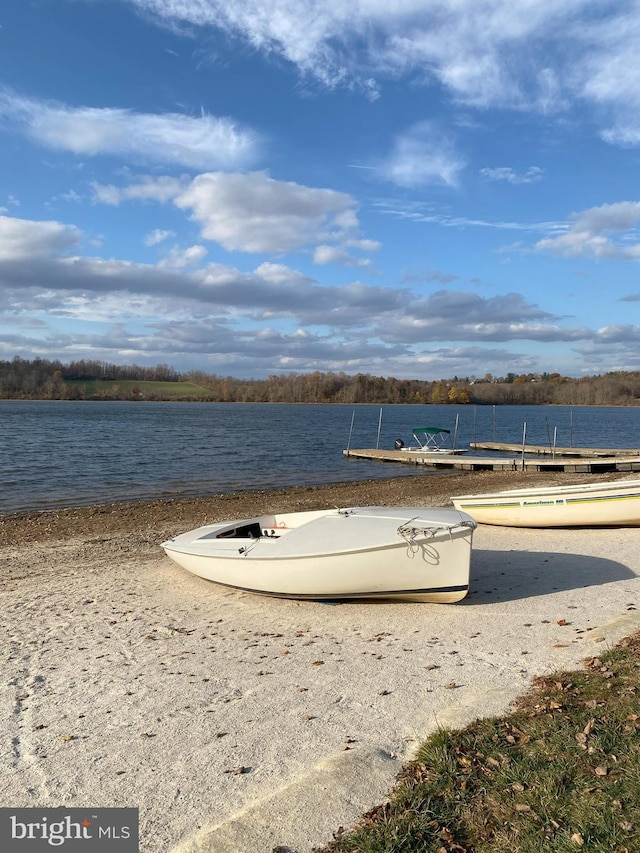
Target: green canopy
{"x":430,"y":430}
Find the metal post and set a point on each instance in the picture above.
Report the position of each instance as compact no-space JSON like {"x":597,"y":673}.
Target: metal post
{"x":379,"y":426}
{"x":353,"y":414}
{"x":571,"y":429}
{"x":524,"y":441}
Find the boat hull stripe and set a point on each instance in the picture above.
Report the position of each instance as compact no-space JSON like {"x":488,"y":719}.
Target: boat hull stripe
{"x":388,"y":593}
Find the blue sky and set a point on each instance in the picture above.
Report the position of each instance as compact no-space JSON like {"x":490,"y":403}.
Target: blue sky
{"x":420,"y":189}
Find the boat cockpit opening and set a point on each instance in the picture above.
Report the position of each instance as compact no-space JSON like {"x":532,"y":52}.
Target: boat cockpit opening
{"x":253,"y":530}
{"x":245,"y":531}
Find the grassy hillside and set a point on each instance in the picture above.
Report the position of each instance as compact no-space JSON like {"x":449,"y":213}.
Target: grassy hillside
{"x":133,"y":389}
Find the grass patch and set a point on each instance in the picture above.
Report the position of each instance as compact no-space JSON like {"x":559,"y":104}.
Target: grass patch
{"x":133,"y":389}
{"x":560,"y":774}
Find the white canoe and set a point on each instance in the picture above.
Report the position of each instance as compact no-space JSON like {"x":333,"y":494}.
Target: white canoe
{"x":613,"y":504}
{"x":410,"y":553}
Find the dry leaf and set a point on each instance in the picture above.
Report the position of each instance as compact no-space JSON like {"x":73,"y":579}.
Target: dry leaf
{"x":577,"y":839}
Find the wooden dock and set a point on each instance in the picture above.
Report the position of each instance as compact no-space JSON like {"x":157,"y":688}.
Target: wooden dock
{"x":594,"y":464}
{"x":545,"y":450}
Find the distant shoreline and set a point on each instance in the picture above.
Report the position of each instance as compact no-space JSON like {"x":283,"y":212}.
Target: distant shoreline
{"x":378,"y":405}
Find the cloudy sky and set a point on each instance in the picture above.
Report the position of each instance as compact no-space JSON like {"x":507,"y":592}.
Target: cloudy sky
{"x":423,"y":188}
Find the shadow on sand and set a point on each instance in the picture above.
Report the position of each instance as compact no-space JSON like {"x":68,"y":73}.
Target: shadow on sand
{"x":513,"y":575}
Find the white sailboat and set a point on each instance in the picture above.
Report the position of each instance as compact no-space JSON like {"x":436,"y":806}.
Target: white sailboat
{"x":410,"y":553}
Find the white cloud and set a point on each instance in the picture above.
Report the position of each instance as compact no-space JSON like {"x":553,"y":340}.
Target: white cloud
{"x":255,"y":213}
{"x":71,"y":196}
{"x":180,"y":258}
{"x":589,"y":235}
{"x":251,"y":316}
{"x":147,"y":188}
{"x":419,"y":211}
{"x":298,"y":30}
{"x":38,"y":274}
{"x":324,"y":255}
{"x":24,"y":239}
{"x":200,"y":142}
{"x":486,"y":53}
{"x":153,"y":238}
{"x":620,"y":333}
{"x":608,"y":74}
{"x":251,"y":212}
{"x":365,"y":245}
{"x":423,"y":155}
{"x":510,"y":176}
{"x":449,"y":315}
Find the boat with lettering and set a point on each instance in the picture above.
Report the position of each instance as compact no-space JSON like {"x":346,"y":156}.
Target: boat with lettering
{"x":605,"y":504}
{"x":404,"y":553}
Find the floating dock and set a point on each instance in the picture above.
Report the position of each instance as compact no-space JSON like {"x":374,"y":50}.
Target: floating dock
{"x":576,"y":464}
{"x":546,"y":450}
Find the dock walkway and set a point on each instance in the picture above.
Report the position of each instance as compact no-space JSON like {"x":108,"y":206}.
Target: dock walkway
{"x":595,"y":464}
{"x":546,"y":450}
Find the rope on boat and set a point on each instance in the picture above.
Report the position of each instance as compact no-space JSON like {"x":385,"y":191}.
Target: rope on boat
{"x":246,"y":548}
{"x":411,"y":532}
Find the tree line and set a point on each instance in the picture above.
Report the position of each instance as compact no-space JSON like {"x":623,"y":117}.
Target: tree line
{"x":42,"y":379}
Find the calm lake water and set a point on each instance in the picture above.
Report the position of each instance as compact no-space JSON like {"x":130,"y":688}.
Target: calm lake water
{"x":62,"y":454}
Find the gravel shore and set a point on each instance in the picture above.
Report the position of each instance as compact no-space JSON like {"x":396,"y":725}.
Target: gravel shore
{"x":165,"y":518}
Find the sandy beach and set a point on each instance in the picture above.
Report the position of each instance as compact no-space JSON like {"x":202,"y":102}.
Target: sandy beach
{"x":240,"y":724}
